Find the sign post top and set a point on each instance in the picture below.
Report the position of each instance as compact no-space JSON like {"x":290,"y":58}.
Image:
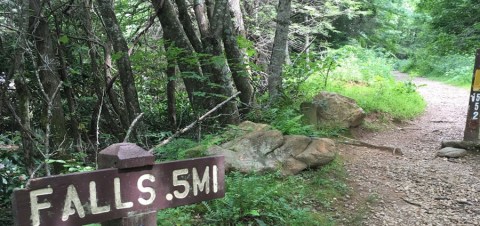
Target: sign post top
{"x":124,"y":155}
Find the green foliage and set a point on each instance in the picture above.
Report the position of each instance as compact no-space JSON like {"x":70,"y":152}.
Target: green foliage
{"x":365,"y":75}
{"x":269,"y":200}
{"x":454,"y":68}
{"x":397,"y":99}
{"x":177,"y":149}
{"x":12,"y":175}
{"x":286,"y":119}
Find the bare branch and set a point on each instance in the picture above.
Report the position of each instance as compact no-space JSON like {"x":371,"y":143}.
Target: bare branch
{"x":130,"y":129}
{"x":189,"y":127}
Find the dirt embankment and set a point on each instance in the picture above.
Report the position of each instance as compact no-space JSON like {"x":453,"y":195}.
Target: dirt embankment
{"x":419,"y":188}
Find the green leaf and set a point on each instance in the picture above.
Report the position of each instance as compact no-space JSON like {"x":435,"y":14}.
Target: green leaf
{"x":63,"y":39}
{"x":254,"y":213}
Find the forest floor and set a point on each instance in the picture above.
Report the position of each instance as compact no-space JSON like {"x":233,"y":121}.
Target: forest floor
{"x":417,"y":188}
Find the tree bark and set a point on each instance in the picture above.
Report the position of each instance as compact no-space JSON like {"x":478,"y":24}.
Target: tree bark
{"x":120,"y":47}
{"x":277,"y":58}
{"x":47,"y":63}
{"x":68,"y":90}
{"x":189,"y":66}
{"x":236,"y":56}
{"x":202,"y":18}
{"x":188,"y":25}
{"x":171,"y":98}
{"x":220,"y":70}
{"x":99,"y":82}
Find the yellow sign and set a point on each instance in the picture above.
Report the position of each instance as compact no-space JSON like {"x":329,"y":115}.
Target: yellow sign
{"x":476,"y":81}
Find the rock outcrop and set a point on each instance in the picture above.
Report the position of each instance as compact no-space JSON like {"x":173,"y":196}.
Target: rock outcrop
{"x":263,"y":149}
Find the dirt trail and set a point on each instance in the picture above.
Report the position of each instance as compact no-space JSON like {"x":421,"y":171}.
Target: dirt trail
{"x":418,"y":188}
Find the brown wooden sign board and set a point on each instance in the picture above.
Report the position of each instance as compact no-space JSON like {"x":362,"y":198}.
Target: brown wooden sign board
{"x":472,"y":126}
{"x":98,"y":196}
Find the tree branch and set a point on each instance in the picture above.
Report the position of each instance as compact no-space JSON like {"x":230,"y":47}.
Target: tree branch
{"x":189,"y":127}
{"x":130,"y":129}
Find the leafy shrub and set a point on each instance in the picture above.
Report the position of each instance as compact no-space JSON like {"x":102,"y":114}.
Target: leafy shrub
{"x":288,"y":120}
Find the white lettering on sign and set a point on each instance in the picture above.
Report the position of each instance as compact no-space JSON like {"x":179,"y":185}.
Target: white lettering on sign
{"x":118,"y":196}
{"x":203,"y":184}
{"x":35,"y":207}
{"x":215,"y":179}
{"x":143,"y":189}
{"x":94,"y":208}
{"x":199,"y":184}
{"x":177,"y":182}
{"x":475,"y":98}
{"x":72,"y":197}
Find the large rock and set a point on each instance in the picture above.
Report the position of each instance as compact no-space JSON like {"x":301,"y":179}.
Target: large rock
{"x":332,"y":110}
{"x":450,"y":152}
{"x":262,"y":149}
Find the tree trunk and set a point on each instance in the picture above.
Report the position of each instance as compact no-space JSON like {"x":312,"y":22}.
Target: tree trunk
{"x":68,"y":90}
{"x":120,"y":47}
{"x":188,"y":25}
{"x":212,"y":42}
{"x":277,"y":58}
{"x":236,"y":56}
{"x":171,"y":98}
{"x":47,"y":64}
{"x":202,"y":18}
{"x":99,"y":82}
{"x":175,"y":36}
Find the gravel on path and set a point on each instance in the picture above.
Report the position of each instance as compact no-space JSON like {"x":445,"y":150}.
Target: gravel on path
{"x":419,"y":188}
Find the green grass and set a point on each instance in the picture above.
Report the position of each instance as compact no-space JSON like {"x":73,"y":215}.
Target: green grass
{"x":365,"y":76}
{"x":393,"y":98}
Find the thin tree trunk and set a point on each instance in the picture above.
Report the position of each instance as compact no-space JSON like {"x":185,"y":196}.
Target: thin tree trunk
{"x":47,"y":64}
{"x":236,"y":56}
{"x":99,"y":83}
{"x":120,"y":47}
{"x":188,"y":25}
{"x":171,"y":98}
{"x":277,"y":60}
{"x":68,"y":90}
{"x":202,"y":18}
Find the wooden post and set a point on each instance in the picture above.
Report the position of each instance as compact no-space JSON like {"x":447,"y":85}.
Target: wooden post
{"x":128,"y":156}
{"x":472,"y":126}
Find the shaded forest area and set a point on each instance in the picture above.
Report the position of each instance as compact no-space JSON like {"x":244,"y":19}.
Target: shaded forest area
{"x":79,"y":75}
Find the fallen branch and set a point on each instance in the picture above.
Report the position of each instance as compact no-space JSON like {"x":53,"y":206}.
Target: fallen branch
{"x":350,"y":141}
{"x":411,"y":202}
{"x":468,"y":145}
{"x":189,"y":127}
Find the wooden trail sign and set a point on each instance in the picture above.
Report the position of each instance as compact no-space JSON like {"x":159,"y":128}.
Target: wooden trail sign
{"x":472,"y":126}
{"x":108,"y":194}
